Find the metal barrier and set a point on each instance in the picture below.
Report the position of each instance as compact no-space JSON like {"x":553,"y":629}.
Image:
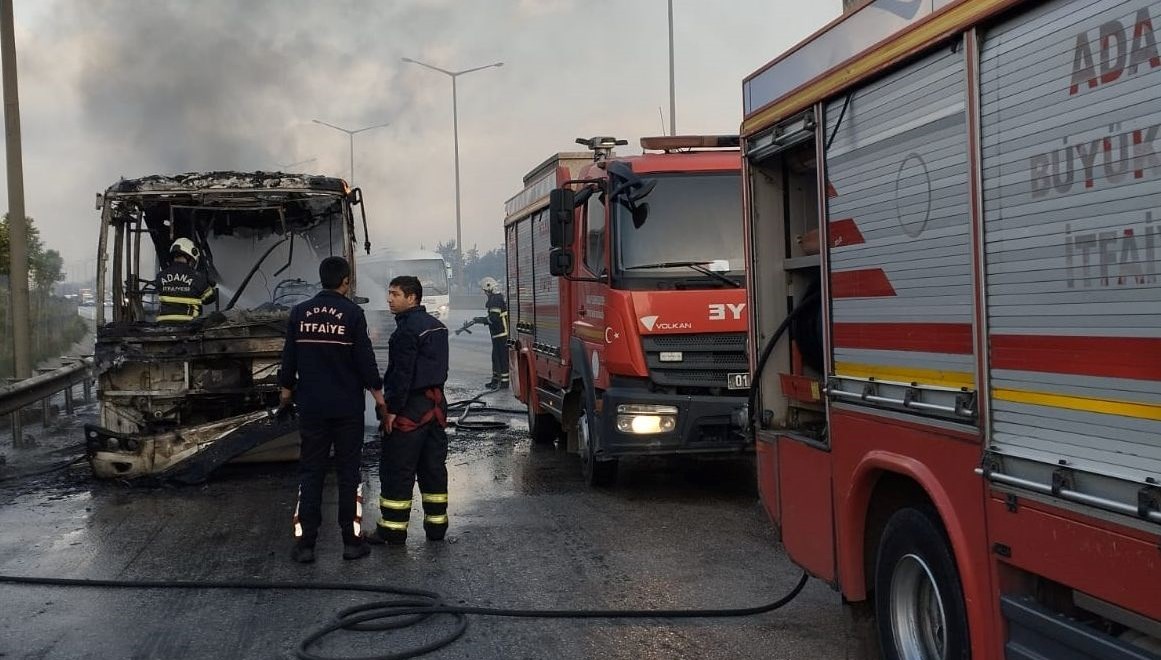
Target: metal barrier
{"x":17,"y":396}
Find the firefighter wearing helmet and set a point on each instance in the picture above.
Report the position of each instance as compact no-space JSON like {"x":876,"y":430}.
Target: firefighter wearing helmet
{"x":497,"y":321}
{"x":182,"y":288}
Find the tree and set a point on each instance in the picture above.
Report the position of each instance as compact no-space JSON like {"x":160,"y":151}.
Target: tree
{"x":45,"y":267}
{"x":447,"y":250}
{"x":492,"y":263}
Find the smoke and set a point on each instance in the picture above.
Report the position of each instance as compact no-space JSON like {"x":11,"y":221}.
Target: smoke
{"x":186,"y":86}
{"x":127,"y":88}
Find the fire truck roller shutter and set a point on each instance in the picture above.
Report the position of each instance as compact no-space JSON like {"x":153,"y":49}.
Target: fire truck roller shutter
{"x":1072,"y":226}
{"x":900,"y":237}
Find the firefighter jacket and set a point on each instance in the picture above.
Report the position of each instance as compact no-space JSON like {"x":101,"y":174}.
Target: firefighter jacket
{"x":327,"y":359}
{"x":497,"y":315}
{"x":417,"y":360}
{"x":182,"y":290}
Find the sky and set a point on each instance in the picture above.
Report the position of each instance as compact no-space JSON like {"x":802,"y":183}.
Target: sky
{"x":127,"y":88}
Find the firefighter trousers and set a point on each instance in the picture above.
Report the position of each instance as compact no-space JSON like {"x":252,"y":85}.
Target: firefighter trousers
{"x":500,"y":360}
{"x":410,"y":456}
{"x":319,"y":434}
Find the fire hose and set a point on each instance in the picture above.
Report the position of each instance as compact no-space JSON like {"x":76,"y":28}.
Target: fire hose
{"x":406,"y":608}
{"x":476,"y":405}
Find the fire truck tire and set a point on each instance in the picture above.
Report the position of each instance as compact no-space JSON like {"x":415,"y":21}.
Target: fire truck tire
{"x":597,"y":473}
{"x":543,"y":427}
{"x":919,"y":603}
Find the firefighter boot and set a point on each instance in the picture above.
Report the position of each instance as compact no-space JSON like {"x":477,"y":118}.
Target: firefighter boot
{"x":355,"y":547}
{"x":383,"y":536}
{"x":303,"y":552}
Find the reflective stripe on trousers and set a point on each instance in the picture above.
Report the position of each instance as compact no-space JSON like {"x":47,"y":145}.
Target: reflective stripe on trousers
{"x":435,"y":512}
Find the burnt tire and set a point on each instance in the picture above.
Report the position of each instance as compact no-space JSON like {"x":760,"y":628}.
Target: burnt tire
{"x":596,"y":472}
{"x":919,"y":603}
{"x":543,"y":427}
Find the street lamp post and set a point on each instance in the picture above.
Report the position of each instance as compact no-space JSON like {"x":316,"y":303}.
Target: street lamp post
{"x":350,"y":134}
{"x":456,"y":141}
{"x":672,"y":94}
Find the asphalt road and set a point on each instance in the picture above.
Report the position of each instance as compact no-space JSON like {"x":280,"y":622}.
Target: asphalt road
{"x":525,"y":532}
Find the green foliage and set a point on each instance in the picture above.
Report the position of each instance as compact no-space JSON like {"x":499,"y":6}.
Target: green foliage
{"x":489,"y":264}
{"x":55,"y":323}
{"x":45,"y":267}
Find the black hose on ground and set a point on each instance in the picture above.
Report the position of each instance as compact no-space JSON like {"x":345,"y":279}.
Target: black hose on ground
{"x":408,"y":608}
{"x":64,"y":465}
{"x":477,"y":405}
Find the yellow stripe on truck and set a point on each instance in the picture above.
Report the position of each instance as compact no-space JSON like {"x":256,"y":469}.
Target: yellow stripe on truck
{"x":956,"y":379}
{"x":1150,"y":411}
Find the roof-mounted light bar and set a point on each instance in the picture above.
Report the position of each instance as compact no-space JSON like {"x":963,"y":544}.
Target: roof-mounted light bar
{"x":676,"y":142}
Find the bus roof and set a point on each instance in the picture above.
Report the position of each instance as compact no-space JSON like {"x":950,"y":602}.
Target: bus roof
{"x":223,"y":181}
{"x":862,"y":43}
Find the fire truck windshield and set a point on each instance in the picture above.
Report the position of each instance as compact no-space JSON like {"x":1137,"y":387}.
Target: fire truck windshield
{"x":692,"y":218}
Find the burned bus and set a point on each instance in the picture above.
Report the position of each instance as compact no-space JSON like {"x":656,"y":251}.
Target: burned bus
{"x":178,"y":400}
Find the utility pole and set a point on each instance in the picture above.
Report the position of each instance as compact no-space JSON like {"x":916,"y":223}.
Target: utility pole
{"x":17,"y":222}
{"x":672,"y":93}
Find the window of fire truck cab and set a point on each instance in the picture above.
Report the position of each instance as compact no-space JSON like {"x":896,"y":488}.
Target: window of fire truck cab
{"x":595,"y":234}
{"x":693,"y":217}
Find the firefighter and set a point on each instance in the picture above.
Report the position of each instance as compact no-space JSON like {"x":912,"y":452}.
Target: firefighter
{"x":327,"y":363}
{"x":497,"y":320}
{"x":182,"y":288}
{"x":414,"y":441}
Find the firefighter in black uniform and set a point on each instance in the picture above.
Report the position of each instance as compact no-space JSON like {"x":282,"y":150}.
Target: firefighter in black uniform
{"x":182,"y":288}
{"x":327,"y":363}
{"x":414,"y":442}
{"x":497,"y":320}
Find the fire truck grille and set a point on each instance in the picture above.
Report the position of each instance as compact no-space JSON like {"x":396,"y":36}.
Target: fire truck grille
{"x":706,"y":361}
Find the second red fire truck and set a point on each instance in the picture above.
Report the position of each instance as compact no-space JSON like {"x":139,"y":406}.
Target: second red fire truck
{"x":627,"y":301}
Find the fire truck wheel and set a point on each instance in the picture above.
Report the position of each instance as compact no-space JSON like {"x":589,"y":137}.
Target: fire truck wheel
{"x":596,"y":473}
{"x":919,"y":604}
{"x":543,"y":427}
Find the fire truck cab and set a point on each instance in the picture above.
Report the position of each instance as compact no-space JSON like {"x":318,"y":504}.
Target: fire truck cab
{"x":626,"y":290}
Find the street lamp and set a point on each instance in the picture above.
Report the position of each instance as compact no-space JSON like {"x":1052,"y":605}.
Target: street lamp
{"x":672,"y":95}
{"x":456,"y":140}
{"x":351,"y":134}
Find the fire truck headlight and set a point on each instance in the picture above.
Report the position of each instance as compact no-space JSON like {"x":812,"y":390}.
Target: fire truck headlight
{"x":646,"y":419}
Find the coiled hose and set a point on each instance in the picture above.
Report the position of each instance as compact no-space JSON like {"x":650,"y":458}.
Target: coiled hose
{"x":476,"y":405}
{"x":407,"y":608}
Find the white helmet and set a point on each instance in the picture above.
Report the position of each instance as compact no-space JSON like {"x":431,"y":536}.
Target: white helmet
{"x":186,"y":247}
{"x":490,"y":285}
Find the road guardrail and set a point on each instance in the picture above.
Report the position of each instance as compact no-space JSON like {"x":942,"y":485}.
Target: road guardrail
{"x":41,"y":388}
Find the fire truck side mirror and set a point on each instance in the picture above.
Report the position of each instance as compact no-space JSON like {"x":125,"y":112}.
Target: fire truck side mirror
{"x":560,"y":262}
{"x":561,"y":205}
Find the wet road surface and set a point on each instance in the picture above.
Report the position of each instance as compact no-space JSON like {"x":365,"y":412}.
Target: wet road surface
{"x":525,"y":532}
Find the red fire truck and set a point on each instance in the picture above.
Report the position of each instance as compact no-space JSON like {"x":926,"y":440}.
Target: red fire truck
{"x":627,"y":301}
{"x":958,"y":412}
